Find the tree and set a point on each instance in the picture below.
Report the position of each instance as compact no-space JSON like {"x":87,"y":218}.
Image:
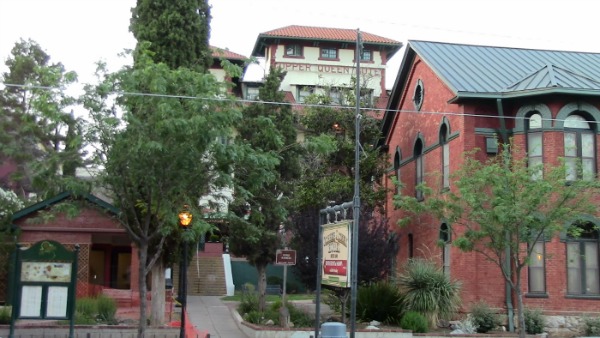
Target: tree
{"x":501,"y":205}
{"x":263,"y":179}
{"x":161,"y":154}
{"x":179,"y":31}
{"x":39,"y":134}
{"x":328,"y":175}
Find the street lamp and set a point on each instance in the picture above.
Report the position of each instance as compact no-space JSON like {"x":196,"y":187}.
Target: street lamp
{"x":185,"y":219}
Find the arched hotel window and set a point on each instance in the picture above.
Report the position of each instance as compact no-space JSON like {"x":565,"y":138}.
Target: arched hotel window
{"x":418,"y":156}
{"x":583,"y":277}
{"x":445,"y":156}
{"x":445,"y":238}
{"x":580,"y":149}
{"x":397,"y":158}
{"x":535,"y":146}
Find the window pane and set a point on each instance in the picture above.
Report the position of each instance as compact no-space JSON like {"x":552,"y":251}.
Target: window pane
{"x":535,"y":121}
{"x":588,"y":169}
{"x":573,"y":269}
{"x":446,"y":150}
{"x":571,"y":164}
{"x":534,"y":144}
{"x":570,"y":144}
{"x":587,"y":145}
{"x":591,"y":268}
{"x":576,"y":121}
{"x":536,"y":268}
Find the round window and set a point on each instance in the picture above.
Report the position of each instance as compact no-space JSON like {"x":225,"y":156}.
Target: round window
{"x":418,"y":95}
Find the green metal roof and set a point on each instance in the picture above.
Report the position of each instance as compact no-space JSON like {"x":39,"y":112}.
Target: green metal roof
{"x":487,"y":72}
{"x":59,"y":198}
{"x":503,"y":72}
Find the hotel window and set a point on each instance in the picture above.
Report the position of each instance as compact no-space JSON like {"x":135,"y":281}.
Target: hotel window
{"x":445,"y":156}
{"x":445,"y":238}
{"x":366,"y":55}
{"x":582,"y":262}
{"x":580,"y":149}
{"x":536,"y":268}
{"x":293,"y":50}
{"x":337,"y":96}
{"x":535,"y":144}
{"x":418,"y":156}
{"x":252,"y":93}
{"x":410,"y":246}
{"x":329,"y":53}
{"x":304,"y":92}
{"x":366,"y":98}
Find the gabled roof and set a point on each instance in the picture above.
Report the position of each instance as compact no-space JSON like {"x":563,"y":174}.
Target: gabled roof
{"x":487,"y":72}
{"x":218,"y":53}
{"x":59,"y":198}
{"x":323,"y":34}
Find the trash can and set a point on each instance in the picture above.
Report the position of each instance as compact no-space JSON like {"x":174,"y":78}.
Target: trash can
{"x":333,"y":330}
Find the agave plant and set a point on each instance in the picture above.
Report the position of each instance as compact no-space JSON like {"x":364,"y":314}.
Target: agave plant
{"x":428,"y":290}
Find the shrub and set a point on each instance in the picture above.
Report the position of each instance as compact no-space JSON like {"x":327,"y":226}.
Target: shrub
{"x":249,"y":300}
{"x":107,"y":309}
{"x":591,"y":326}
{"x":297,"y":316}
{"x":415,"y":322}
{"x":534,"y":321}
{"x":427,"y":290}
{"x":483,"y":318}
{"x":380,"y":301}
{"x":85,"y":311}
{"x":253,"y":317}
{"x":5,"y":314}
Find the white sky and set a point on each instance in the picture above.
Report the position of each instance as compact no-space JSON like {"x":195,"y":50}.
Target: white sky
{"x":78,"y":33}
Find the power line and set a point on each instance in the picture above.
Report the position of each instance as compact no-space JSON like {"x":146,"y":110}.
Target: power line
{"x":298,"y":105}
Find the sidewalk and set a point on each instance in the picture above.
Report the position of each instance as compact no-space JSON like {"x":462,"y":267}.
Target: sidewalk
{"x":211,"y":315}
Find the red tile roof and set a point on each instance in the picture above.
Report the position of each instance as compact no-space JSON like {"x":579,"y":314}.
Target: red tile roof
{"x":324,"y":33}
{"x":220,"y":52}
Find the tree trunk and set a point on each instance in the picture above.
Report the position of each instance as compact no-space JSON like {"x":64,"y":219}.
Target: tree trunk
{"x":143,"y":255}
{"x":520,"y":308}
{"x":157,"y":311}
{"x":262,"y":287}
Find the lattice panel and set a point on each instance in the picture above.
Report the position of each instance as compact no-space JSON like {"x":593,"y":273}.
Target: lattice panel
{"x":83,"y":268}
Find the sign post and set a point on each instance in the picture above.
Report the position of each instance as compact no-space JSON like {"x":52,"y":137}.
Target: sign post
{"x":285,"y":257}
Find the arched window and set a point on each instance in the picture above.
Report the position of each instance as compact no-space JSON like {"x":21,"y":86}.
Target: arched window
{"x":582,"y":261}
{"x":397,"y":158}
{"x":445,"y":238}
{"x":580,"y":148}
{"x":445,"y":156}
{"x":535,"y":146}
{"x":418,"y":156}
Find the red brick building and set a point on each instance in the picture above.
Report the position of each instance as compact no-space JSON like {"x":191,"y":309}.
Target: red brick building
{"x":451,"y":98}
{"x":107,"y":258}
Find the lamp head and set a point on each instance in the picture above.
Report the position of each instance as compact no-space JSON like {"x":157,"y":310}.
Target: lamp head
{"x":185,"y":217}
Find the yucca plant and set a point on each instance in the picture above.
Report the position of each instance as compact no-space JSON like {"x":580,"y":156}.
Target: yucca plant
{"x":379,"y":301}
{"x":428,"y":290}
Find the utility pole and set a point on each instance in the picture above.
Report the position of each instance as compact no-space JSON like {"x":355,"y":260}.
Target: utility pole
{"x":356,"y":201}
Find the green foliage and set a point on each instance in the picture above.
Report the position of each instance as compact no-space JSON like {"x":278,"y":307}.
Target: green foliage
{"x":483,"y":317}
{"x":179,"y":32}
{"x":86,"y":310}
{"x":428,"y":290}
{"x":534,"y":321}
{"x":38,"y":131}
{"x":249,"y":301}
{"x":254,"y":317}
{"x":415,"y":322}
{"x":5,"y":314}
{"x":107,"y":309}
{"x":591,"y":326}
{"x":381,"y":301}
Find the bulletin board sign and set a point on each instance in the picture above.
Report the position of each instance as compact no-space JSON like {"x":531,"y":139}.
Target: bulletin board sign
{"x":336,"y":254}
{"x":45,"y":278}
